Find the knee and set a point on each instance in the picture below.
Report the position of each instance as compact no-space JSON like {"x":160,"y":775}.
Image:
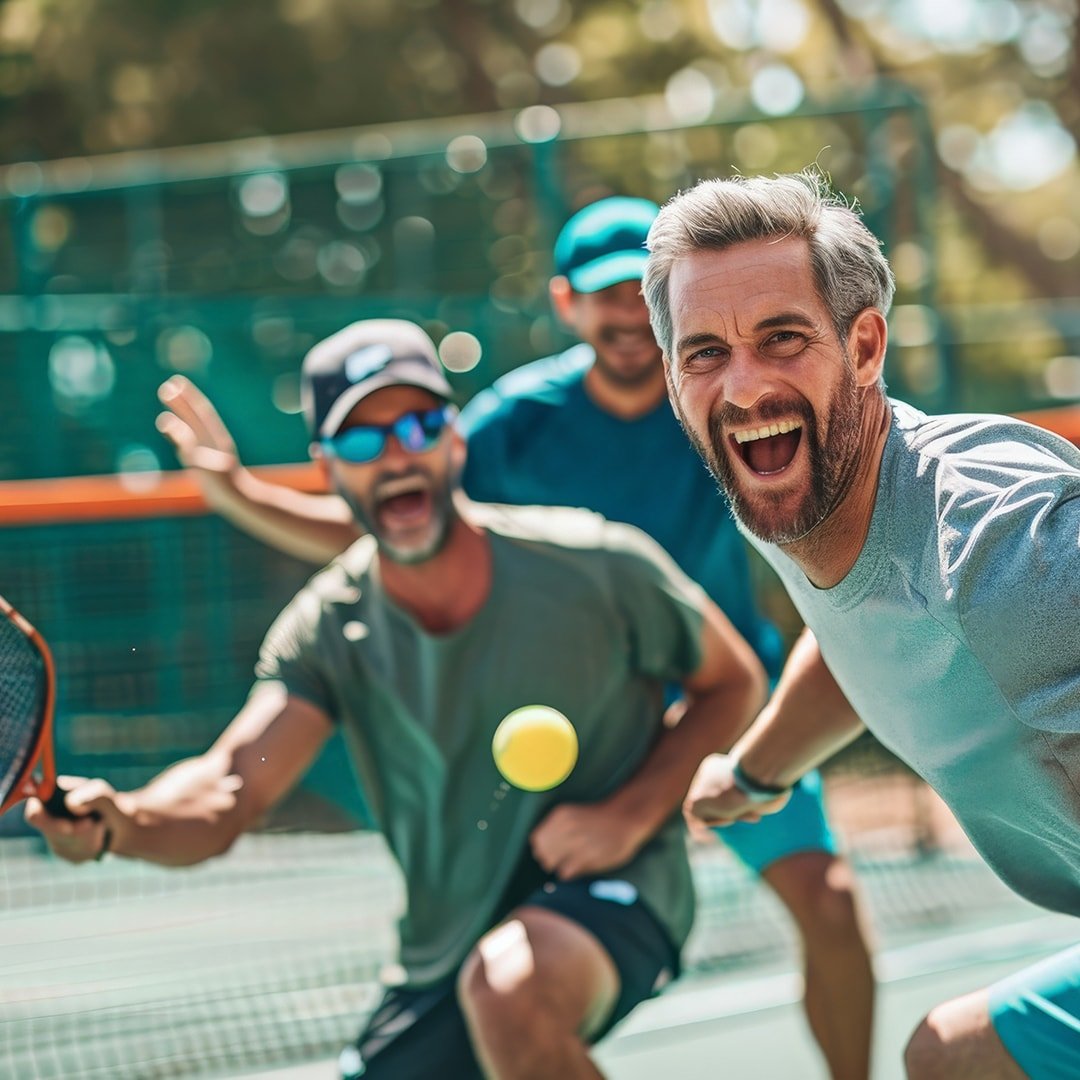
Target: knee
{"x":491,"y":999}
{"x":926,"y":1054}
{"x":823,"y":899}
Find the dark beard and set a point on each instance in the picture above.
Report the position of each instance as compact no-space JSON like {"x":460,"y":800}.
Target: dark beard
{"x":832,"y":462}
{"x":626,"y":379}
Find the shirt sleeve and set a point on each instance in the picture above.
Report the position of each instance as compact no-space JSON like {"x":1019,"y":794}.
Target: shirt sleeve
{"x":1018,"y":592}
{"x":486,"y":468}
{"x":289,"y":656}
{"x":662,"y":607}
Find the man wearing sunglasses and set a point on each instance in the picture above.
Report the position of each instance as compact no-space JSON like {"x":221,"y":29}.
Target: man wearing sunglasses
{"x":534,"y":920}
{"x":592,"y":427}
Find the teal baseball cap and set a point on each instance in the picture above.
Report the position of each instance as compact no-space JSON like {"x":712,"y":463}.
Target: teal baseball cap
{"x":604,"y":243}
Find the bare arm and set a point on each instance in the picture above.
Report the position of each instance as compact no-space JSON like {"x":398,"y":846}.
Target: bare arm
{"x":197,"y":808}
{"x":806,"y":721}
{"x":310,"y":527}
{"x":724,"y":693}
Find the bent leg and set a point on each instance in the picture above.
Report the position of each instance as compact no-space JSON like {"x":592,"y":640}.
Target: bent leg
{"x":795,"y":853}
{"x":957,"y":1041}
{"x":818,"y":890}
{"x":567,"y":965}
{"x":1026,"y":1025}
{"x":533,"y":990}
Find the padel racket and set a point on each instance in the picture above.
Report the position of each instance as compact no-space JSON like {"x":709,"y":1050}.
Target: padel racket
{"x":27,"y":699}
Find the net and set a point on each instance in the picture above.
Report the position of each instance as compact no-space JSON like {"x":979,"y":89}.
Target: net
{"x":271,"y":955}
{"x":22,"y":702}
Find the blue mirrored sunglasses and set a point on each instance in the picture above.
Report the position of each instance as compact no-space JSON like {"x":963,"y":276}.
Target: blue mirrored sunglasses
{"x":415,"y":431}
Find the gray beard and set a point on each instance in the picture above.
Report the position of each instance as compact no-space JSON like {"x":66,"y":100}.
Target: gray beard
{"x":443,"y":505}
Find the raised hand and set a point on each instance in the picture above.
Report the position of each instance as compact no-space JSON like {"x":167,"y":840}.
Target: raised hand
{"x":203,"y":442}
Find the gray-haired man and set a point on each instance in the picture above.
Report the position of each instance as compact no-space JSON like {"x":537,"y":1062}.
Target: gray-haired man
{"x":934,"y":559}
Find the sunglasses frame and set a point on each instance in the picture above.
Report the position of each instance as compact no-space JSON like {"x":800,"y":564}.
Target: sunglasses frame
{"x":408,"y":428}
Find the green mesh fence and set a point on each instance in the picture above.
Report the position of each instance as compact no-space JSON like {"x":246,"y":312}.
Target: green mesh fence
{"x":229,"y":263}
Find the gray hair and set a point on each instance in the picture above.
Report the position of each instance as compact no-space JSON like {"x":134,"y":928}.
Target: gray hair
{"x":850,"y":272}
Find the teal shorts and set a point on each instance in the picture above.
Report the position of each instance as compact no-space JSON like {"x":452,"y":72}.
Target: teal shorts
{"x":800,"y":826}
{"x":1036,"y":1013}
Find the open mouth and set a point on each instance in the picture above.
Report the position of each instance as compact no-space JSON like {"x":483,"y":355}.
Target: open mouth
{"x":769,"y":449}
{"x":403,"y":503}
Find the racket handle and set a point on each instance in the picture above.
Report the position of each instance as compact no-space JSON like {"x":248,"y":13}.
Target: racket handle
{"x":56,"y":805}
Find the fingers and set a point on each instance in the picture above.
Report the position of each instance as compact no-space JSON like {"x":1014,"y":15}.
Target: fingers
{"x":90,"y":796}
{"x":192,"y":408}
{"x":572,"y":841}
{"x":79,"y":838}
{"x":553,"y":844}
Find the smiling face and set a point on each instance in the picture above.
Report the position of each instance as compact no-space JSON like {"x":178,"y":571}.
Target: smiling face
{"x":615,"y":322}
{"x":403,"y":498}
{"x":770,"y":396}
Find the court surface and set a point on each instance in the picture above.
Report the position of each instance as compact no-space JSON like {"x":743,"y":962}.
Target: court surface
{"x":263,"y":963}
{"x":741,"y":1026}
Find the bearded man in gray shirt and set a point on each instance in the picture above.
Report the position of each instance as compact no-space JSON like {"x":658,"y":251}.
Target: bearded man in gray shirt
{"x":935,"y":561}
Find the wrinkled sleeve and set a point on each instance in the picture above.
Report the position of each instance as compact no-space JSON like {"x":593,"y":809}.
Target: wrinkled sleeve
{"x":1018,"y":593}
{"x":289,"y":656}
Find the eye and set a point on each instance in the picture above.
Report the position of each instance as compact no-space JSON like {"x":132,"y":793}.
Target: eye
{"x":784,"y":343}
{"x":703,"y":357}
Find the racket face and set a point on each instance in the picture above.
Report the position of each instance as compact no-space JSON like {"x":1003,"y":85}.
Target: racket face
{"x":26,"y":691}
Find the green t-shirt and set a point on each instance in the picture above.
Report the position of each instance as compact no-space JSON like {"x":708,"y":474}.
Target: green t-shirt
{"x":585,"y":615}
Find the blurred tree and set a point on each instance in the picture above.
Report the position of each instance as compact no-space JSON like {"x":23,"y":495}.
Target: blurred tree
{"x":1001,"y":79}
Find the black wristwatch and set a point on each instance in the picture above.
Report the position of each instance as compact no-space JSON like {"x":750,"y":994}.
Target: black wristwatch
{"x":753,"y":789}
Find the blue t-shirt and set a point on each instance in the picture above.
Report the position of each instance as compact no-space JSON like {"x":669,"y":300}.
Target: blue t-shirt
{"x":956,"y":634}
{"x":536,"y":437}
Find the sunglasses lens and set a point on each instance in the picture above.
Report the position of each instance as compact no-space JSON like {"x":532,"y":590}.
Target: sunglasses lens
{"x":359,"y":444}
{"x":430,"y":426}
{"x":416,"y":432}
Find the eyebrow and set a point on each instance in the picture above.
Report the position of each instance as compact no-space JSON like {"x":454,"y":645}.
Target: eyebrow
{"x":785,"y":318}
{"x":691,"y":341}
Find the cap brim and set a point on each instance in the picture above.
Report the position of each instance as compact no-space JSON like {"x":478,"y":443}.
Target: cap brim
{"x":425,"y":378}
{"x":608,"y":270}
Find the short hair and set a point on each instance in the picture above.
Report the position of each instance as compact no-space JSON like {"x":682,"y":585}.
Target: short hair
{"x":850,"y":271}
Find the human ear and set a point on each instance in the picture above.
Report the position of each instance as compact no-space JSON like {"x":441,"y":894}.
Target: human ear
{"x":562,"y":300}
{"x":867,"y":340}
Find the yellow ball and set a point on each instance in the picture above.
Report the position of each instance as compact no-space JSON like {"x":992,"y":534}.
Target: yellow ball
{"x":535,"y":747}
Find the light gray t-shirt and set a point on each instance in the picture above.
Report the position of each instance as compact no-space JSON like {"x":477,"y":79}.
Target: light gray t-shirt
{"x":584,"y":615}
{"x":956,"y":635}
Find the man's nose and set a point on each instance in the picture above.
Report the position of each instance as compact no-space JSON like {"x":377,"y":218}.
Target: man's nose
{"x":394,"y":453}
{"x":745,"y":378}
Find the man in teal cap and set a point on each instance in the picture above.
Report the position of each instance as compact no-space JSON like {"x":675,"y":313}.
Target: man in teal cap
{"x":592,"y":427}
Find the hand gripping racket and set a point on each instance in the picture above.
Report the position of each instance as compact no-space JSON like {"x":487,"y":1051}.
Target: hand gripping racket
{"x":27,"y":699}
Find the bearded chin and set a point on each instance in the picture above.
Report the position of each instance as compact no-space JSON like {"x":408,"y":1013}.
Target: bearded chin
{"x":367,"y":519}
{"x":831,"y":464}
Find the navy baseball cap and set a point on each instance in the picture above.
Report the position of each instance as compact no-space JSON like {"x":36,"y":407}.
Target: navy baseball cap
{"x":365,"y":357}
{"x":604,"y":243}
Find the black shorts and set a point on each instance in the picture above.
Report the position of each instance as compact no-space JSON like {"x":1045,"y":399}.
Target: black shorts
{"x":419,"y":1032}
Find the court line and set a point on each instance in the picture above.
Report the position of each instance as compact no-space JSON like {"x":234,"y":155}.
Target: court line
{"x":689,"y":1006}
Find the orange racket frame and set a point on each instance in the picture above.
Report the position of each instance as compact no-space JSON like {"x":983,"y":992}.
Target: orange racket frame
{"x":42,"y":749}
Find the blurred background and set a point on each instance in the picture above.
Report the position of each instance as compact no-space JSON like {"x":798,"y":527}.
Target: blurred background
{"x":211,"y":187}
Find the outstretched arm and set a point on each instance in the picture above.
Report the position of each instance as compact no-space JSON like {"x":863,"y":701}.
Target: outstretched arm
{"x":806,"y":721}
{"x":314,"y":528}
{"x":197,"y":808}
